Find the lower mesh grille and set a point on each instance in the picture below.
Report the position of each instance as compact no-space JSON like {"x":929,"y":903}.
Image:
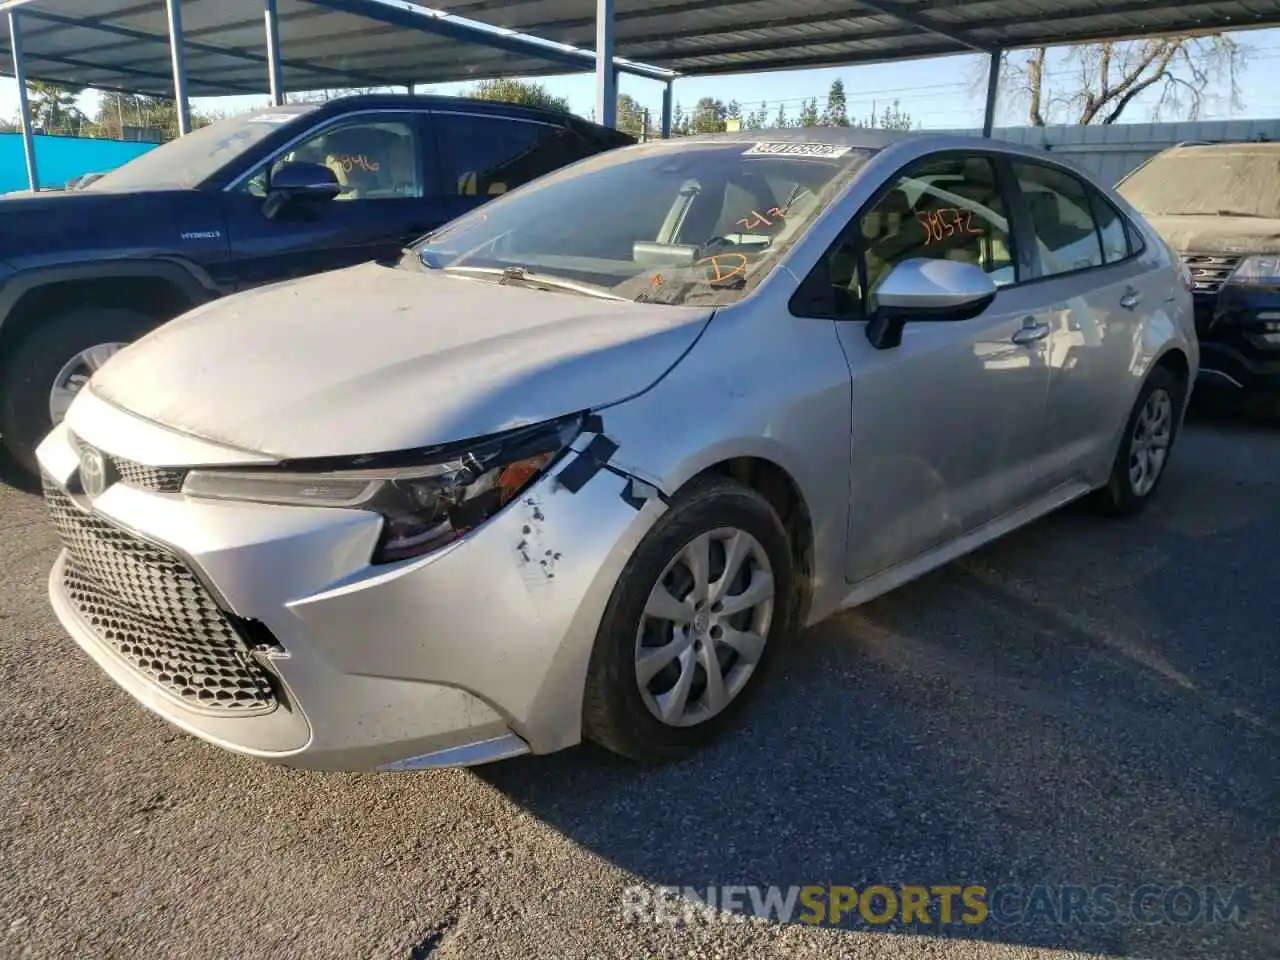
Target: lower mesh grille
{"x":153,"y":611}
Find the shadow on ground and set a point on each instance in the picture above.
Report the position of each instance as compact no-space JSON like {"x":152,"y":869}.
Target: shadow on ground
{"x":1027,"y":716}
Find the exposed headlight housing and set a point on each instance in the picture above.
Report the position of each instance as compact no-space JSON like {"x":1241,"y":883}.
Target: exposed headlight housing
{"x":1259,"y":270}
{"x":426,"y":504}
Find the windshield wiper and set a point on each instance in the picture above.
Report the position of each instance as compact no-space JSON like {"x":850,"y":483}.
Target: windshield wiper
{"x":520,"y":277}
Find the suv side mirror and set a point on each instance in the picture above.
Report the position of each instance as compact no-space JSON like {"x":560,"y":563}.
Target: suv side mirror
{"x":923,"y":290}
{"x":299,"y":184}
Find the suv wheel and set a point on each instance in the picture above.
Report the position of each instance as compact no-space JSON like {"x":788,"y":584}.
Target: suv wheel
{"x":700,"y":608}
{"x":51,"y":365}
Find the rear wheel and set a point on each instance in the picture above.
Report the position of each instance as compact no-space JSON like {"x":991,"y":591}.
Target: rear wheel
{"x":1145,"y":447}
{"x":693,"y":621}
{"x":52,"y":365}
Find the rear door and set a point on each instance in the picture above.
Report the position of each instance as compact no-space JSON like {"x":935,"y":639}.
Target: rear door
{"x":1093,"y":291}
{"x":386,"y":171}
{"x":483,"y":155}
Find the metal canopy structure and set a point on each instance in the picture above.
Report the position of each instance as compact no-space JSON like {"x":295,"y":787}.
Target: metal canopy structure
{"x":325,"y":44}
{"x":702,"y":37}
{"x":185,"y":48}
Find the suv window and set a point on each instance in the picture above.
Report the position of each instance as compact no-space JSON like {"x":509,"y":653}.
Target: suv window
{"x":1066,"y":235}
{"x":372,"y":159}
{"x":487,"y":156}
{"x":947,"y":208}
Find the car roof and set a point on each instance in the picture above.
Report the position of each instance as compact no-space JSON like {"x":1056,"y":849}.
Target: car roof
{"x":400,"y":101}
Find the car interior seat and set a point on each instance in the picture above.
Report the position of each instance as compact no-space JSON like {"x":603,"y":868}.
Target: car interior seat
{"x":891,"y":233}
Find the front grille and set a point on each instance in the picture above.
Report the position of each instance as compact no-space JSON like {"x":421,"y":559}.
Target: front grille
{"x":133,"y":474}
{"x":158,"y":479}
{"x":1209,"y":271}
{"x":154,"y":612}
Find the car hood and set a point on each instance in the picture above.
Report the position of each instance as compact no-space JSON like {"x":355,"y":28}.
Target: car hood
{"x":375,"y":359}
{"x":1232,"y":235}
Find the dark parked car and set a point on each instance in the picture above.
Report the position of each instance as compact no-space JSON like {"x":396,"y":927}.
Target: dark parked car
{"x":254,"y":199}
{"x":1218,"y":205}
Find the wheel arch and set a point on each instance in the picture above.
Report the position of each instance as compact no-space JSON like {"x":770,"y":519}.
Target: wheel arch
{"x":158,"y":288}
{"x":764,"y":472}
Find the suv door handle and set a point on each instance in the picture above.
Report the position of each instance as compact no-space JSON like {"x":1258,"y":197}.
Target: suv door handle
{"x":1031,"y":332}
{"x":1131,"y":298}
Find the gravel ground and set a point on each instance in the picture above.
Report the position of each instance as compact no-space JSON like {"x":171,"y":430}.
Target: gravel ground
{"x":1084,"y":703}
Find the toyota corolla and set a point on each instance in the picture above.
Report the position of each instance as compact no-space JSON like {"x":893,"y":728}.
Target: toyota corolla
{"x":581,"y":462}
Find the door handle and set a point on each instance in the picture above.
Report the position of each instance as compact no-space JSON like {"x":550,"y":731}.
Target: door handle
{"x":1031,"y":332}
{"x":1131,"y":298}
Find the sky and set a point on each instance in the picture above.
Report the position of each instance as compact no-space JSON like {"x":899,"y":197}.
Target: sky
{"x":944,"y":92}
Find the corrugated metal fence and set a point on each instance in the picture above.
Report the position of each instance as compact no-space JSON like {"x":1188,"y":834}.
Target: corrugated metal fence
{"x":1109,"y":152}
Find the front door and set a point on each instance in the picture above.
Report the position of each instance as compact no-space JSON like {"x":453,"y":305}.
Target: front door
{"x":948,"y":425}
{"x":385,"y":203}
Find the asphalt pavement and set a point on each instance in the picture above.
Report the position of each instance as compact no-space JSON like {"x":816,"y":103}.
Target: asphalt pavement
{"x":1085,"y":703}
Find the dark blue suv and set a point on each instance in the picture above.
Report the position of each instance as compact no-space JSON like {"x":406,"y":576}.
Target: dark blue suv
{"x":254,"y":199}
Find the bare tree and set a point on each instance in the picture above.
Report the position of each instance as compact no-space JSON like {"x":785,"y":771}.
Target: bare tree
{"x":1098,"y":81}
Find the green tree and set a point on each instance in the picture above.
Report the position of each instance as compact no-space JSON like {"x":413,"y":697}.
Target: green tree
{"x":894,"y":118}
{"x":781,"y":120}
{"x":837,"y":112}
{"x":809,"y":113}
{"x":709,"y":116}
{"x":679,"y":121}
{"x":517,"y":91}
{"x":630,"y":115}
{"x":53,"y":107}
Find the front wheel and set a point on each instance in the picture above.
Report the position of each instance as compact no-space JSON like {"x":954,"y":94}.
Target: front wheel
{"x":1145,"y":446}
{"x":51,"y":365}
{"x":696,"y":615}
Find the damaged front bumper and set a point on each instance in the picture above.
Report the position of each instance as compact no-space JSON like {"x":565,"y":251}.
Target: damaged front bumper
{"x":473,"y":653}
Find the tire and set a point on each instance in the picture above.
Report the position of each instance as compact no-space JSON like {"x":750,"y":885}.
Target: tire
{"x":29,"y":374}
{"x":616,"y":713}
{"x":1125,"y":496}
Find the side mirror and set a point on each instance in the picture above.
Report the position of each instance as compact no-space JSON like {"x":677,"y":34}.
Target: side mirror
{"x":920,"y":289}
{"x":299,"y":184}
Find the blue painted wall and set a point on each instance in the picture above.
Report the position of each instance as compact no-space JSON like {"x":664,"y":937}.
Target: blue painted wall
{"x":58,"y":159}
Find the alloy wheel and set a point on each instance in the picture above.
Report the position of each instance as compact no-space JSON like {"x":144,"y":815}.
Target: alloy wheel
{"x":75,"y":373}
{"x":705,"y":626}
{"x":1152,"y":436}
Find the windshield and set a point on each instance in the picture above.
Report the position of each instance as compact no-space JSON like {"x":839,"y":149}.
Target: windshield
{"x":675,"y":223}
{"x":1245,"y":181}
{"x":188,"y":161}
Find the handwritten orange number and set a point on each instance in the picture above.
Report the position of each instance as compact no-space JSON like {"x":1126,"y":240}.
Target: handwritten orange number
{"x":946,"y":222}
{"x":724,"y":266}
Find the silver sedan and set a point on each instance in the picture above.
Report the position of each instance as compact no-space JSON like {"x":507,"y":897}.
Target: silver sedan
{"x":585,"y":460}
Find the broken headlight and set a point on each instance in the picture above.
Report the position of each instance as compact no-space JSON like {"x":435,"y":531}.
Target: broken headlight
{"x":424,"y":505}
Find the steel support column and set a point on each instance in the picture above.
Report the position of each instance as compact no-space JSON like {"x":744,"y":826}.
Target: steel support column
{"x":24,"y":107}
{"x":174,"y":10}
{"x":993,"y":88}
{"x":275,"y":75}
{"x":606,"y":75}
{"x":666,"y":109}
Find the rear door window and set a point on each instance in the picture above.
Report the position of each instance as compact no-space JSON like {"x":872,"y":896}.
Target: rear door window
{"x":1111,"y":229}
{"x":1067,"y":237}
{"x":485,"y":156}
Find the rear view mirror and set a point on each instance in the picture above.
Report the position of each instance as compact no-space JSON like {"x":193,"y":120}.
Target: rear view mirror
{"x":921,"y":289}
{"x":299,"y":183}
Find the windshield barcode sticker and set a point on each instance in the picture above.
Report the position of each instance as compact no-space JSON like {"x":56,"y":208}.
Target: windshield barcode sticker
{"x":793,"y":149}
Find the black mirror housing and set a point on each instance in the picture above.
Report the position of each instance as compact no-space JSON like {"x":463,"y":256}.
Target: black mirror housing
{"x":300,"y":184}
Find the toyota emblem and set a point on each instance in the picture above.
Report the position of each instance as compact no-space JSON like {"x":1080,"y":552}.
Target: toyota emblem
{"x":93,"y":472}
